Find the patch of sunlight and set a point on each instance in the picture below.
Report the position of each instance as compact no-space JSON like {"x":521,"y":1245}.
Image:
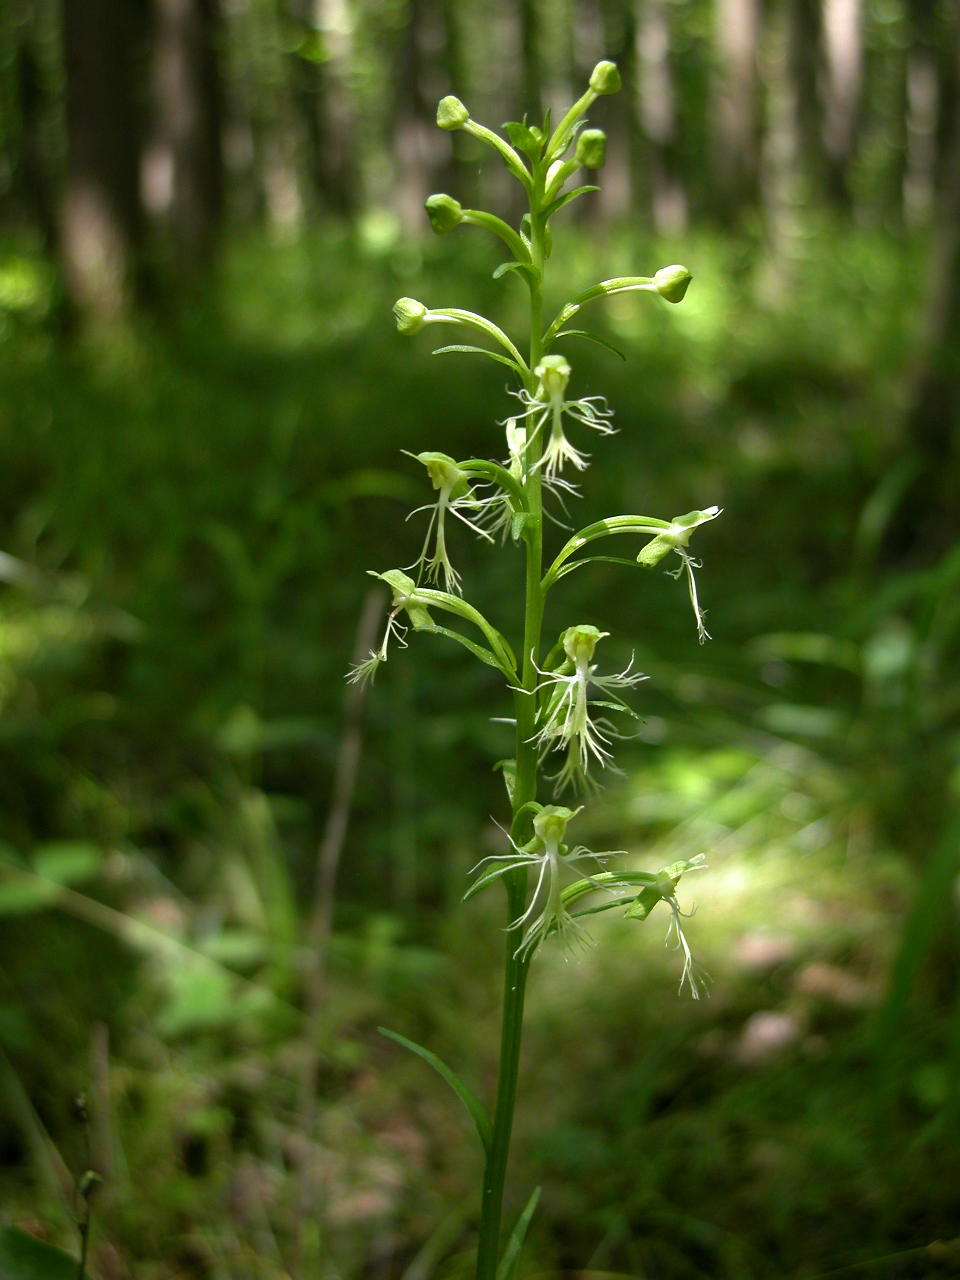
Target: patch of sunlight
{"x":787,"y":886}
{"x":26,"y":285}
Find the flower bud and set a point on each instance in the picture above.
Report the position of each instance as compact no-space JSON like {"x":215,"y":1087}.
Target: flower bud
{"x":672,"y":282}
{"x":444,"y":213}
{"x":451,"y":113}
{"x":409,"y":314}
{"x":579,"y":642}
{"x":605,"y":78}
{"x":554,"y":374}
{"x":591,"y":148}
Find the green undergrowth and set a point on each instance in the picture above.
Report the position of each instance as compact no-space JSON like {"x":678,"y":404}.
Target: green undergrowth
{"x":176,"y":508}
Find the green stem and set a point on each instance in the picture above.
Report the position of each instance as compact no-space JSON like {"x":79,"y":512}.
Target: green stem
{"x":525,"y":791}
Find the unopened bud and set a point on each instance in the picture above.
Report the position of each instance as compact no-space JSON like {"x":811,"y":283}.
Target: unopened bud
{"x":591,"y":148}
{"x":451,"y":113}
{"x":605,"y":78}
{"x":444,"y":213}
{"x":409,"y":315}
{"x":672,"y":282}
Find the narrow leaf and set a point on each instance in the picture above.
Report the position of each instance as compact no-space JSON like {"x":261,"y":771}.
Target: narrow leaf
{"x":591,"y":337}
{"x":480,"y":351}
{"x":525,"y":269}
{"x":477,"y":650}
{"x":508,"y":1263}
{"x":560,"y":201}
{"x":463,"y":1091}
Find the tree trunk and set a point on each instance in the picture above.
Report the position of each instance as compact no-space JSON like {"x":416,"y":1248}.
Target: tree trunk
{"x":183,"y":177}
{"x":418,"y":147}
{"x":804,"y":64}
{"x":927,"y":518}
{"x":531,"y":57}
{"x":32,"y":185}
{"x":101,"y":225}
{"x":922,"y":102}
{"x":843,"y":47}
{"x":735,"y":106}
{"x":658,"y":116}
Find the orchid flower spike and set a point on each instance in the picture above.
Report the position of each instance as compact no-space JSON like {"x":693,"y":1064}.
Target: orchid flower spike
{"x":404,"y":601}
{"x":546,"y":913}
{"x":549,"y":404}
{"x":456,"y":496}
{"x":566,"y":721}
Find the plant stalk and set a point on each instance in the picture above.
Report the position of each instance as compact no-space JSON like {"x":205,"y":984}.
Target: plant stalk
{"x":525,"y":790}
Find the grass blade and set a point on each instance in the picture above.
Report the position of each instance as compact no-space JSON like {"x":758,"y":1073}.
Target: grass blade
{"x":463,"y":1091}
{"x":508,"y":1263}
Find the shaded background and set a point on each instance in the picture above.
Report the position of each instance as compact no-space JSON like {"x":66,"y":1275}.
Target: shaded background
{"x":208,"y":209}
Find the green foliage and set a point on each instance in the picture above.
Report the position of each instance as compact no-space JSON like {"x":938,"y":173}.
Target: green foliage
{"x":23,"y":1257}
{"x":166,"y":702}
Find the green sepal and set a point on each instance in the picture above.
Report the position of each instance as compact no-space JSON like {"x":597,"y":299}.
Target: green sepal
{"x":556,"y":205}
{"x":466,"y":1095}
{"x":480,"y":351}
{"x":591,"y":337}
{"x":507,"y":1267}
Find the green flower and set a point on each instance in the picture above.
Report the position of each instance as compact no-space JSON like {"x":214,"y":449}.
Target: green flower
{"x":454,"y":495}
{"x":676,"y":539}
{"x":546,"y":913}
{"x":567,"y":721}
{"x":404,"y":601}
{"x":549,"y":404}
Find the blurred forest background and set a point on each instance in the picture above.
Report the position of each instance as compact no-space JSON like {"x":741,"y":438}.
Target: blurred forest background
{"x":208,"y":208}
